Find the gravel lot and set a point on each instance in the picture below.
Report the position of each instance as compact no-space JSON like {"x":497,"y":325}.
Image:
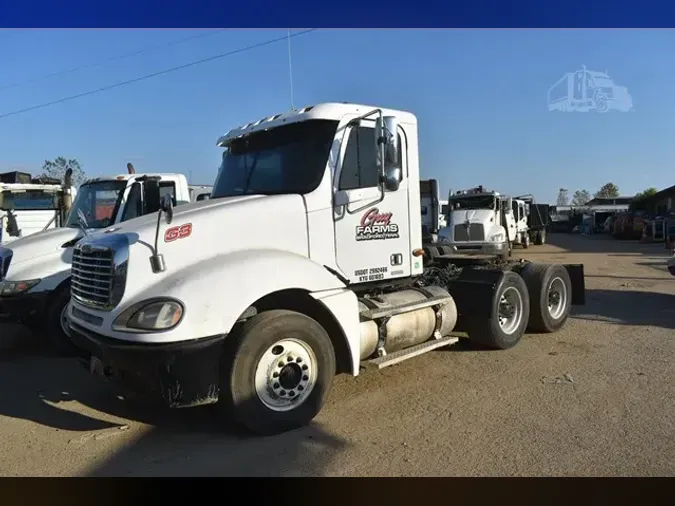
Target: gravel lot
{"x":597,"y":398}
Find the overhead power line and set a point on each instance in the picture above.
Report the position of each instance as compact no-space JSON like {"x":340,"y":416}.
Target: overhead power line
{"x":111,"y":59}
{"x":155,"y":74}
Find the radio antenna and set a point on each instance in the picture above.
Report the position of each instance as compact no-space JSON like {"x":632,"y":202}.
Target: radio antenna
{"x":290,"y":68}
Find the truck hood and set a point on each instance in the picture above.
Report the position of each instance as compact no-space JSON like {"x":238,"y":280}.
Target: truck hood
{"x":206,"y":232}
{"x":41,"y":244}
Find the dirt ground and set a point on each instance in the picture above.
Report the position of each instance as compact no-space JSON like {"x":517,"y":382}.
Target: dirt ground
{"x":597,"y":399}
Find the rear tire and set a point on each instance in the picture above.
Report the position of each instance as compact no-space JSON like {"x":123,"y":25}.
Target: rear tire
{"x":541,"y":238}
{"x":508,"y":317}
{"x":276,"y":372}
{"x":550,"y":290}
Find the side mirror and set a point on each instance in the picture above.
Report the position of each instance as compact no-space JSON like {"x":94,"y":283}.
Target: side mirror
{"x":392,"y":179}
{"x":386,"y":133}
{"x":166,"y":206}
{"x":12,"y":226}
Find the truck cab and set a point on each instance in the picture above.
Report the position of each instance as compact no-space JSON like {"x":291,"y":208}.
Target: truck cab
{"x":35,"y":277}
{"x":29,"y":208}
{"x":198,"y":305}
{"x":479,"y":222}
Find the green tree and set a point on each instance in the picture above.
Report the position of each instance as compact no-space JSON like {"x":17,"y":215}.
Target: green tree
{"x":646,"y":193}
{"x":581,"y":197}
{"x":57,"y":169}
{"x":638,"y":203}
{"x":608,"y":191}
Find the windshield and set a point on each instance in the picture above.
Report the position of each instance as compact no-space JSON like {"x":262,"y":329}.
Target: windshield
{"x":473,"y":203}
{"x":286,"y":159}
{"x":98,"y":203}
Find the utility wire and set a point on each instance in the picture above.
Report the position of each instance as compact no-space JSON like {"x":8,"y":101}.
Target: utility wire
{"x":112,"y":58}
{"x":155,"y":74}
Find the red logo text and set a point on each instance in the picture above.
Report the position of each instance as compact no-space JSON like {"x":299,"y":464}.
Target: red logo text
{"x":376,"y":225}
{"x":175,"y":233}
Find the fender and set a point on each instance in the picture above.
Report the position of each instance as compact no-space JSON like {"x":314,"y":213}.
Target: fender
{"x":217,"y":291}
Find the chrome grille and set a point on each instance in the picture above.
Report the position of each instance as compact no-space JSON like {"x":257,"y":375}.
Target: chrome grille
{"x":473,"y":232}
{"x":92,"y":276}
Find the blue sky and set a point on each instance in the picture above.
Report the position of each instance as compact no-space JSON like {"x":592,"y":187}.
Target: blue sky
{"x":480,"y":97}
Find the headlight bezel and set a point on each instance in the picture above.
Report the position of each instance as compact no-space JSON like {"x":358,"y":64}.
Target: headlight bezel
{"x":6,"y":284}
{"x":125,"y":318}
{"x":498,"y":237}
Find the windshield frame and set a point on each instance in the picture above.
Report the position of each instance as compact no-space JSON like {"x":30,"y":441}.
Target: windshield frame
{"x":72,"y":220}
{"x":314,"y":137}
{"x":54,"y":194}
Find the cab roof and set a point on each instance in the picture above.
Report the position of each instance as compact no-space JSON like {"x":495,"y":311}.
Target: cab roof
{"x":329,"y":110}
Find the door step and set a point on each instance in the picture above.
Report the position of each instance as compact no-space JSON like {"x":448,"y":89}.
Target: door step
{"x":382,"y":312}
{"x":401,"y":355}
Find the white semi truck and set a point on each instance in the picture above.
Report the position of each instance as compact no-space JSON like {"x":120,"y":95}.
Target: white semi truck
{"x":35,"y":276}
{"x":480,"y":223}
{"x":196,"y":305}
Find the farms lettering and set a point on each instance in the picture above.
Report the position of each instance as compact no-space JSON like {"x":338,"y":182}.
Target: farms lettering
{"x":376,"y":226}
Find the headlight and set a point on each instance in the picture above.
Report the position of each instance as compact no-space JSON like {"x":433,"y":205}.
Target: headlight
{"x":17,"y":287}
{"x":150,"y":316}
{"x":498,"y":237}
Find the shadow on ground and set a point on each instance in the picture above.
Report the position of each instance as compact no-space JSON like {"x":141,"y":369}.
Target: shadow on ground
{"x":190,"y":442}
{"x":628,"y":307}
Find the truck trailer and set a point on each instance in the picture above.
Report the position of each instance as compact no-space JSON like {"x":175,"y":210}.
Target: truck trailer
{"x":193,"y":306}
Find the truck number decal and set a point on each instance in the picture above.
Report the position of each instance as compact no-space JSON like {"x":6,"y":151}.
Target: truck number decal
{"x":376,"y":226}
{"x":175,"y":233}
{"x":372,"y":274}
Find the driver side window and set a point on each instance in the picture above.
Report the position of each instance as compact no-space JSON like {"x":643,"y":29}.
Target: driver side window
{"x":360,"y":167}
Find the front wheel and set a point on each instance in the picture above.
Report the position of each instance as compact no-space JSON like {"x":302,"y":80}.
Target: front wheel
{"x":510,"y":312}
{"x":276,"y":372}
{"x":55,"y":326}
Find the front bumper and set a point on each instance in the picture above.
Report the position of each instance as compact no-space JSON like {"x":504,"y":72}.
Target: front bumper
{"x":179,"y":374}
{"x":482,"y":248}
{"x":23,"y":308}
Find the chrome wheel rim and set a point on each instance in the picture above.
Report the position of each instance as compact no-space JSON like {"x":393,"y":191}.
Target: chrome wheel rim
{"x":510,"y":310}
{"x":286,"y":375}
{"x":556,"y":298}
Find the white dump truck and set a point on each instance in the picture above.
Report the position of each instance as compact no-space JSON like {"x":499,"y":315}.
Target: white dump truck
{"x":35,"y":270}
{"x":194,"y":305}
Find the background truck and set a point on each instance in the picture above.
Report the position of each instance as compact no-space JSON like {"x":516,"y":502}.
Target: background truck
{"x":480,"y":223}
{"x":35,"y":270}
{"x":194,"y":306}
{"x":532,"y":220}
{"x":586,"y":90}
{"x":200,"y":192}
{"x":433,"y":210}
{"x":29,"y":205}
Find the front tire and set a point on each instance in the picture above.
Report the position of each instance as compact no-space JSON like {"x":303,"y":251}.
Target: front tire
{"x":55,"y":327}
{"x":550,"y":290}
{"x":508,"y":318}
{"x":276,"y":372}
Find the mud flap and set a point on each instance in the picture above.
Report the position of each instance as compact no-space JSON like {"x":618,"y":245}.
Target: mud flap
{"x":474,"y":291}
{"x":576,"y":272}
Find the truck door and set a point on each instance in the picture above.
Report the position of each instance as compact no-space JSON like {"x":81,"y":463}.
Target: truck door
{"x":372,"y":235}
